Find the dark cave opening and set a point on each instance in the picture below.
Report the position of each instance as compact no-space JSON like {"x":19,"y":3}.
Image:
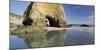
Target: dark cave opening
{"x":52,"y":21}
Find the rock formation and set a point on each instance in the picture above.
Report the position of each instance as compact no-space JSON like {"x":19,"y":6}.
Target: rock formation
{"x":15,"y":19}
{"x":35,"y":16}
{"x":38,"y":12}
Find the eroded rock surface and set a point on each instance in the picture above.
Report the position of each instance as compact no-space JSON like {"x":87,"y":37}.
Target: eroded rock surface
{"x":35,"y":16}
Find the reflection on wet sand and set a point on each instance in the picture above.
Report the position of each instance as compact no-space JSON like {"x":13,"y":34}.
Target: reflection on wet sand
{"x":44,"y":39}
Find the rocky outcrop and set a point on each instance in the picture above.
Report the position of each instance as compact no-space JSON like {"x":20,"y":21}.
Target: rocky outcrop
{"x":15,"y":19}
{"x":38,"y":12}
{"x":35,"y":17}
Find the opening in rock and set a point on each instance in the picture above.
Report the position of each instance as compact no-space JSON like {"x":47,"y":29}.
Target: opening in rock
{"x":51,"y":22}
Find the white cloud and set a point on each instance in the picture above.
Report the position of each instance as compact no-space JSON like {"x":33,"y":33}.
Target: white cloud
{"x":91,"y":19}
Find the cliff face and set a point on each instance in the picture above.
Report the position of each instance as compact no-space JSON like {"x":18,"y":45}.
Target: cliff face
{"x":15,"y":19}
{"x":38,"y":12}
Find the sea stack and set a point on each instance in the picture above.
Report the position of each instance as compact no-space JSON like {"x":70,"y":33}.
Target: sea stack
{"x":38,"y":12}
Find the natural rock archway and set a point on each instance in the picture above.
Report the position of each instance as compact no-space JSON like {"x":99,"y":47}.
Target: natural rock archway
{"x":38,"y":12}
{"x":52,"y":21}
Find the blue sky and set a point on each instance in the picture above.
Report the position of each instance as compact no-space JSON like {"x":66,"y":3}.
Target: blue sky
{"x":79,"y":14}
{"x":18,"y":7}
{"x":75,"y":14}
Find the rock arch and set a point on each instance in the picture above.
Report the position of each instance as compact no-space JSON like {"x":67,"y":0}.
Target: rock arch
{"x":52,"y":11}
{"x":52,"y":21}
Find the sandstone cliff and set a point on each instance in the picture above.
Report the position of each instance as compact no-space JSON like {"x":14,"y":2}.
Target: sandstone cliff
{"x":15,"y":19}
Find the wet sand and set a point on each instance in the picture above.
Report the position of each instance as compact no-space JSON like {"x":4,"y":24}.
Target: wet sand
{"x":80,"y":28}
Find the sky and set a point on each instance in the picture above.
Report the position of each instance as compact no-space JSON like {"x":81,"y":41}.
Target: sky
{"x":79,"y":14}
{"x":75,"y":14}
